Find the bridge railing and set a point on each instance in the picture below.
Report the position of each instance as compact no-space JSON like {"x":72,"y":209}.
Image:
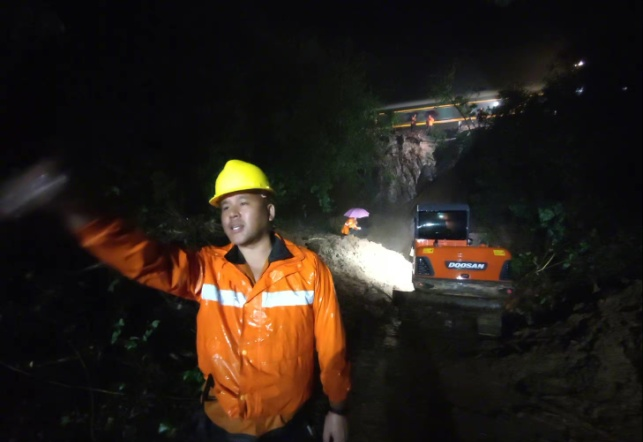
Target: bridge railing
{"x":444,"y":114}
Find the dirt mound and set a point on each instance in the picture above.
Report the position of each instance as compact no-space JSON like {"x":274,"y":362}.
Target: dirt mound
{"x":360,"y":264}
{"x":586,"y":369}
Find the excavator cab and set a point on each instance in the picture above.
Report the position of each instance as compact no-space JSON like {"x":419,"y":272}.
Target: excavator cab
{"x":451,"y":224}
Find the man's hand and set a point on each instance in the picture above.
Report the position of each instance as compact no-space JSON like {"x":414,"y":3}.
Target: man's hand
{"x":335,"y":428}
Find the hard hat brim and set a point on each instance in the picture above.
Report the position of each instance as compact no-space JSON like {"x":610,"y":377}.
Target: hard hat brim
{"x":216,"y":199}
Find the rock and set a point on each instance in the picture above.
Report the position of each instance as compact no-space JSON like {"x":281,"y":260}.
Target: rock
{"x":406,"y":160}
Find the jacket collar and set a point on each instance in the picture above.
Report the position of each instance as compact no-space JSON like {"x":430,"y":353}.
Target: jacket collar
{"x":279,"y":251}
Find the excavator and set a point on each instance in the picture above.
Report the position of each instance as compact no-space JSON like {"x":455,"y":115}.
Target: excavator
{"x":450,"y":270}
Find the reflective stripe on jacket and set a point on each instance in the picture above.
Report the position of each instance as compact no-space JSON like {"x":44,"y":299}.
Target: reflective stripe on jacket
{"x":258,"y":342}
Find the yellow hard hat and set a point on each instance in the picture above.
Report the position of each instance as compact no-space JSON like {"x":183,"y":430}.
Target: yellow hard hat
{"x":238,"y":176}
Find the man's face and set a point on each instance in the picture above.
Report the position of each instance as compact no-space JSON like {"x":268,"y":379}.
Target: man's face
{"x":246,"y":218}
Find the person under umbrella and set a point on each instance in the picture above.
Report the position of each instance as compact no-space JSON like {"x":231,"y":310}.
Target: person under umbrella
{"x":351,"y":223}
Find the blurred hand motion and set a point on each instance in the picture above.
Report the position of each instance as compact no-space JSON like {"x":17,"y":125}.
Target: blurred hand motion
{"x":35,"y":188}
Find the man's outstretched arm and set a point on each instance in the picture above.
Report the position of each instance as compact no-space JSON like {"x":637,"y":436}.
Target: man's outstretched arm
{"x":44,"y":187}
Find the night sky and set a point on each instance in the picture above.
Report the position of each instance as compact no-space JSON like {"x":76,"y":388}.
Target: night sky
{"x":122,"y":47}
{"x":492,"y":43}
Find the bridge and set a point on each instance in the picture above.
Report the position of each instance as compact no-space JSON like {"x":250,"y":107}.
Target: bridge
{"x":445,"y":115}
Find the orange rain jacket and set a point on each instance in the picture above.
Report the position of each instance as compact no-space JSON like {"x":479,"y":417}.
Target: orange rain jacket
{"x":351,"y":223}
{"x":257,"y":341}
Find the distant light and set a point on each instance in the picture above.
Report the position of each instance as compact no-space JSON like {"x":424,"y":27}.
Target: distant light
{"x":624,"y":88}
{"x":495,"y":104}
{"x":579,"y":64}
{"x":580,"y":90}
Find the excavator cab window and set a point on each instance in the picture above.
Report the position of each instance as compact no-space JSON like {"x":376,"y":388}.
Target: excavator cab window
{"x":448,"y":224}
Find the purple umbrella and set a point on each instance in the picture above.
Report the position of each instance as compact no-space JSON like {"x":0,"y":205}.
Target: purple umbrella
{"x":356,"y":212}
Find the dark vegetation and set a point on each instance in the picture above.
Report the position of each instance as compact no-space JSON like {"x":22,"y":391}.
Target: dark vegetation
{"x":563,"y":170}
{"x":88,"y":355}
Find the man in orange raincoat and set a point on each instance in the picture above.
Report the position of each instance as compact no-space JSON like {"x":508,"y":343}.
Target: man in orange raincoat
{"x":350,"y":224}
{"x":430,"y":121}
{"x":266,"y":306}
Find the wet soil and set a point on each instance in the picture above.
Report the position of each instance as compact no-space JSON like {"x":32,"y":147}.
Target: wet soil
{"x":418,"y":377}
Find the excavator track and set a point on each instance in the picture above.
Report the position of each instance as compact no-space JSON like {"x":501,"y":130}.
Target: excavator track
{"x":487,"y":317}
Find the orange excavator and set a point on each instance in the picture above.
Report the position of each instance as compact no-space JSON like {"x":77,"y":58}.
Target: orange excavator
{"x":449,"y":270}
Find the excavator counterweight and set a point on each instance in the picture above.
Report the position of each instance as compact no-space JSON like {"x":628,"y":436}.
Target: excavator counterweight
{"x":449,"y":270}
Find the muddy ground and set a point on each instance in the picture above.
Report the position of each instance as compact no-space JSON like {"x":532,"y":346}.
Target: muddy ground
{"x":424,"y":374}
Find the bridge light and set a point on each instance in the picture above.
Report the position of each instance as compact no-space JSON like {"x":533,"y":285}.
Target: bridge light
{"x":579,"y":64}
